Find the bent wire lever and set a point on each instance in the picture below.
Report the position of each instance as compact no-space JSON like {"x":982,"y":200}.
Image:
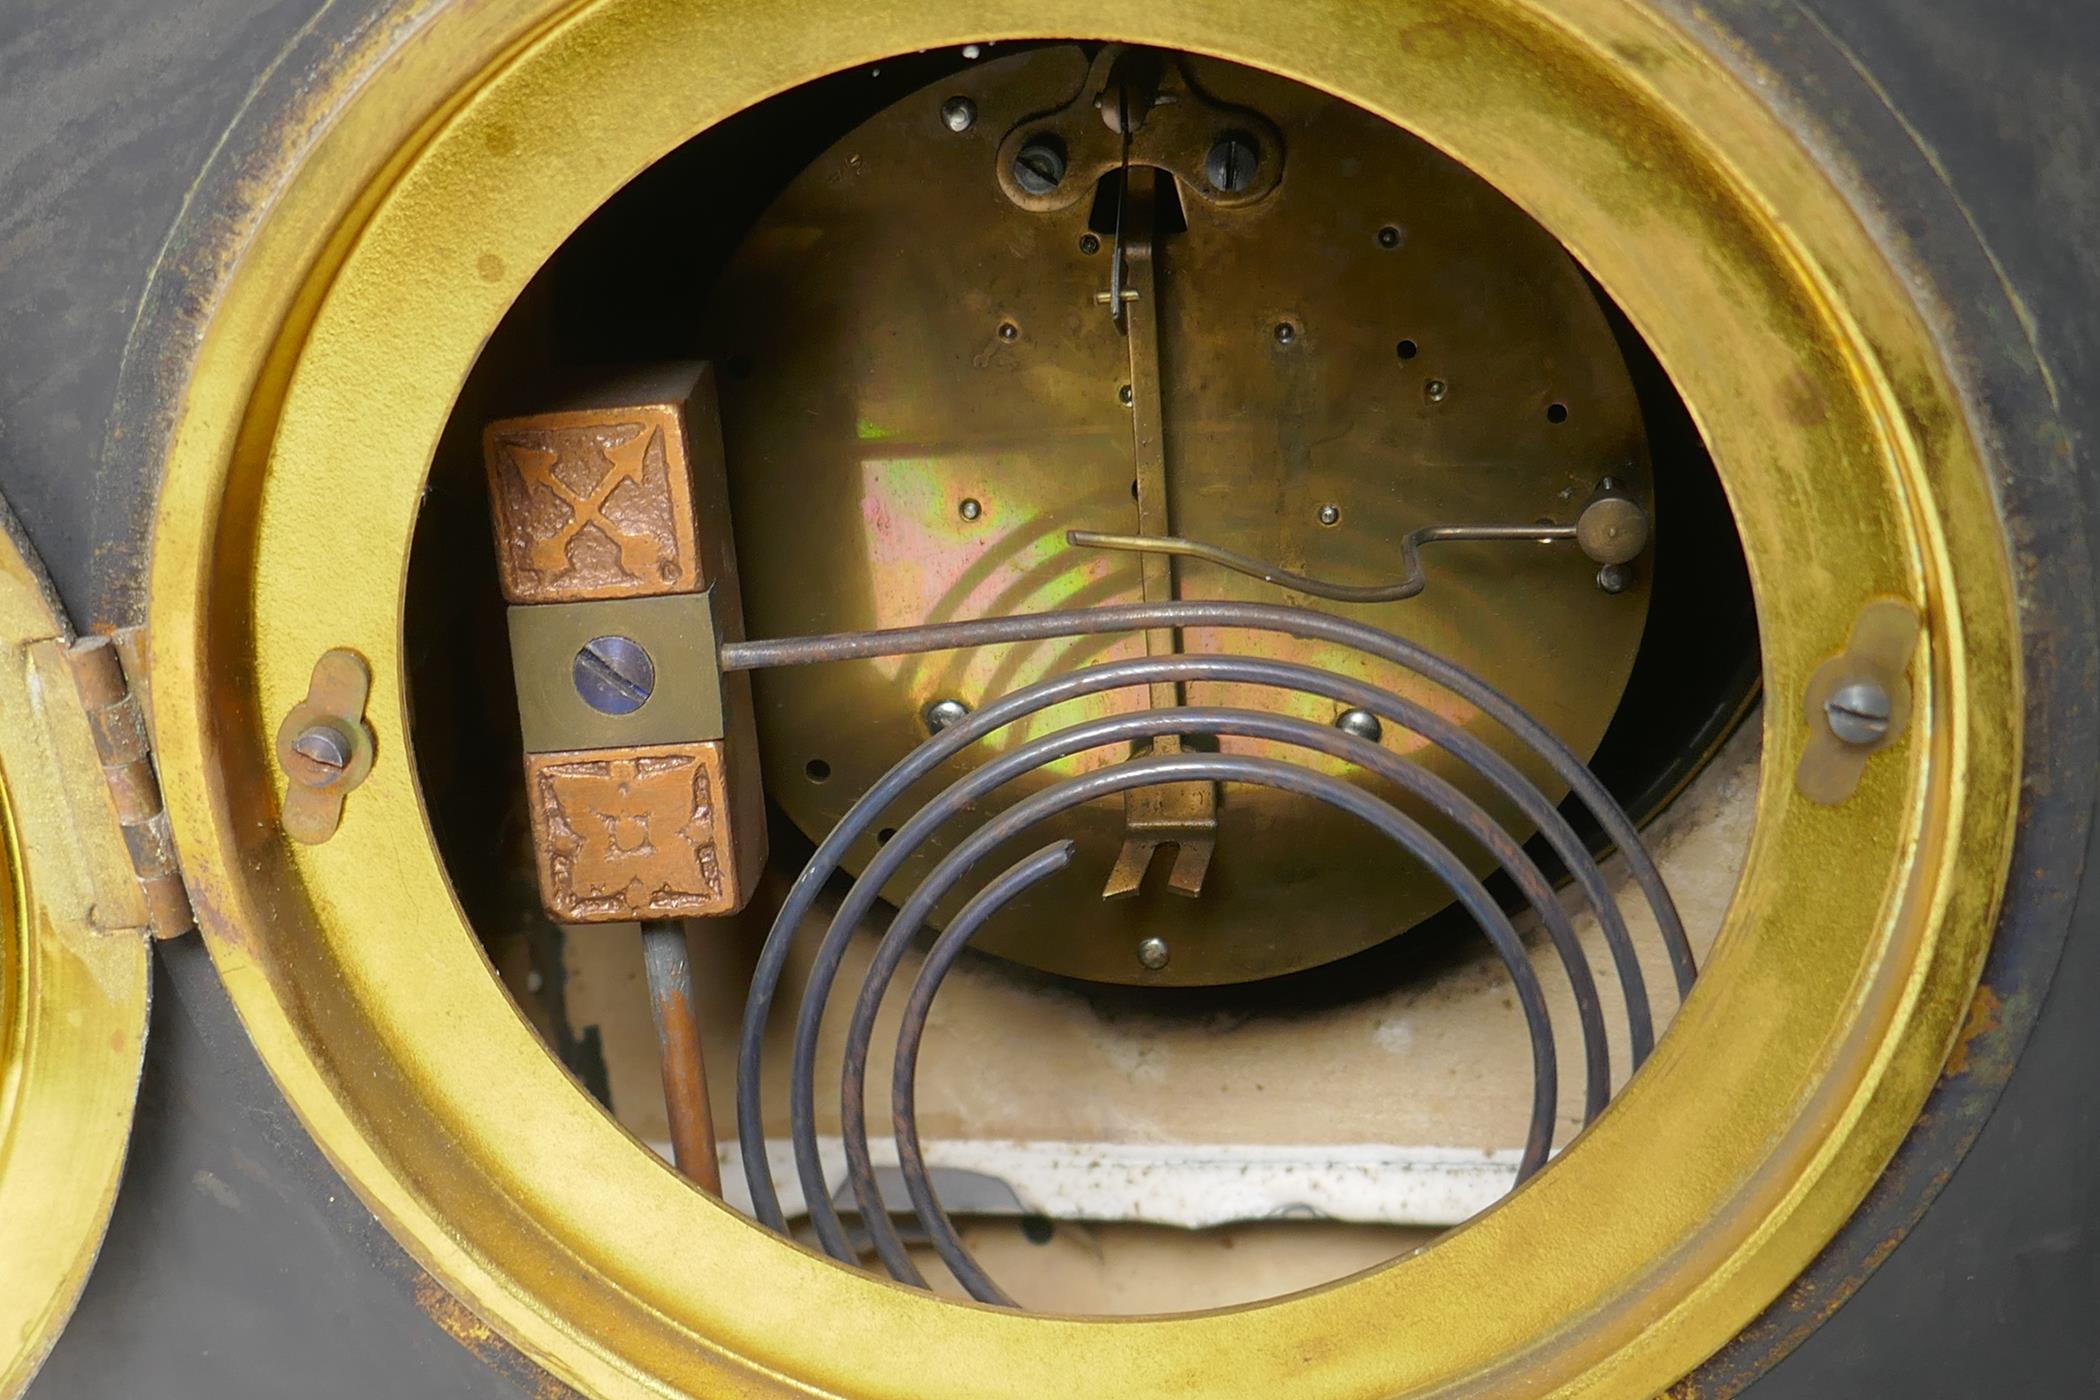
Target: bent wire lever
{"x":1611,"y":531}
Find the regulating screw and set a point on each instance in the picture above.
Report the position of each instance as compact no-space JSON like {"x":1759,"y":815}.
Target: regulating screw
{"x":614,"y":675}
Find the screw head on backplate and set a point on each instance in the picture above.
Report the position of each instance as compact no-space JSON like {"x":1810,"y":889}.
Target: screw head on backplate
{"x":1039,"y":167}
{"x":942,"y":713}
{"x":1231,"y":164}
{"x":1362,"y":723}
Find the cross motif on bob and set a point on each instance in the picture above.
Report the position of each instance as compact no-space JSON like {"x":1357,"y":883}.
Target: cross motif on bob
{"x":631,"y":833}
{"x":591,"y":505}
{"x":550,"y":553}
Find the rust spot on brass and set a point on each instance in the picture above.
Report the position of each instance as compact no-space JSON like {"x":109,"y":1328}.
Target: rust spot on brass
{"x":1985,"y":1015}
{"x":459,"y":1322}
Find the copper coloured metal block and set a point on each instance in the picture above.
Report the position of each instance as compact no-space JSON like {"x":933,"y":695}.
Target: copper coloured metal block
{"x":638,"y":833}
{"x":612,"y":530}
{"x":596,"y":498}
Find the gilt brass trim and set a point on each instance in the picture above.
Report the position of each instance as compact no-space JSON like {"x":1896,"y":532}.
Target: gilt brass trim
{"x":73,"y":980}
{"x":374,"y":275}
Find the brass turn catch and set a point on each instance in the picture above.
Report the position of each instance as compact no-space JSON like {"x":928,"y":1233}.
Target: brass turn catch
{"x":325,"y":747}
{"x":1858,"y":702}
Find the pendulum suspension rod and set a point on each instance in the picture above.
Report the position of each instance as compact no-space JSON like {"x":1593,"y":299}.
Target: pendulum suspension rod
{"x":668,"y":965}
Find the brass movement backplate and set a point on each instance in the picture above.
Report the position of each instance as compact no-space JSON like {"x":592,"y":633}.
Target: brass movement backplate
{"x":929,"y":389}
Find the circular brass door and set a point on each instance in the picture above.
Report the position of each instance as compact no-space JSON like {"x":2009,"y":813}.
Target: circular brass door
{"x":72,"y":994}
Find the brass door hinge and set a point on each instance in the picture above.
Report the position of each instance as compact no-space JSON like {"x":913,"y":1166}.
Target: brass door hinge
{"x":119,"y":747}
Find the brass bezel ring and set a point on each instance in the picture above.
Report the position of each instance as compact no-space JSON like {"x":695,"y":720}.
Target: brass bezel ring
{"x":74,"y":976}
{"x":447,"y":176}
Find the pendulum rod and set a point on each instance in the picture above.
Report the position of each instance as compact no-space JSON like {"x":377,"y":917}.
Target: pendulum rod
{"x":1181,"y":815}
{"x":668,"y":965}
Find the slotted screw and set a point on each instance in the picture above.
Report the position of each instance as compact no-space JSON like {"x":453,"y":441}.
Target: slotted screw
{"x":1039,"y":167}
{"x":327,"y":753}
{"x":1231,"y":164}
{"x":614,"y":675}
{"x":323,"y":744}
{"x":1858,"y":713}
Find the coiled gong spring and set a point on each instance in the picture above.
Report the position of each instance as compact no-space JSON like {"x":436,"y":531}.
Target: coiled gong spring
{"x":1146,"y":770}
